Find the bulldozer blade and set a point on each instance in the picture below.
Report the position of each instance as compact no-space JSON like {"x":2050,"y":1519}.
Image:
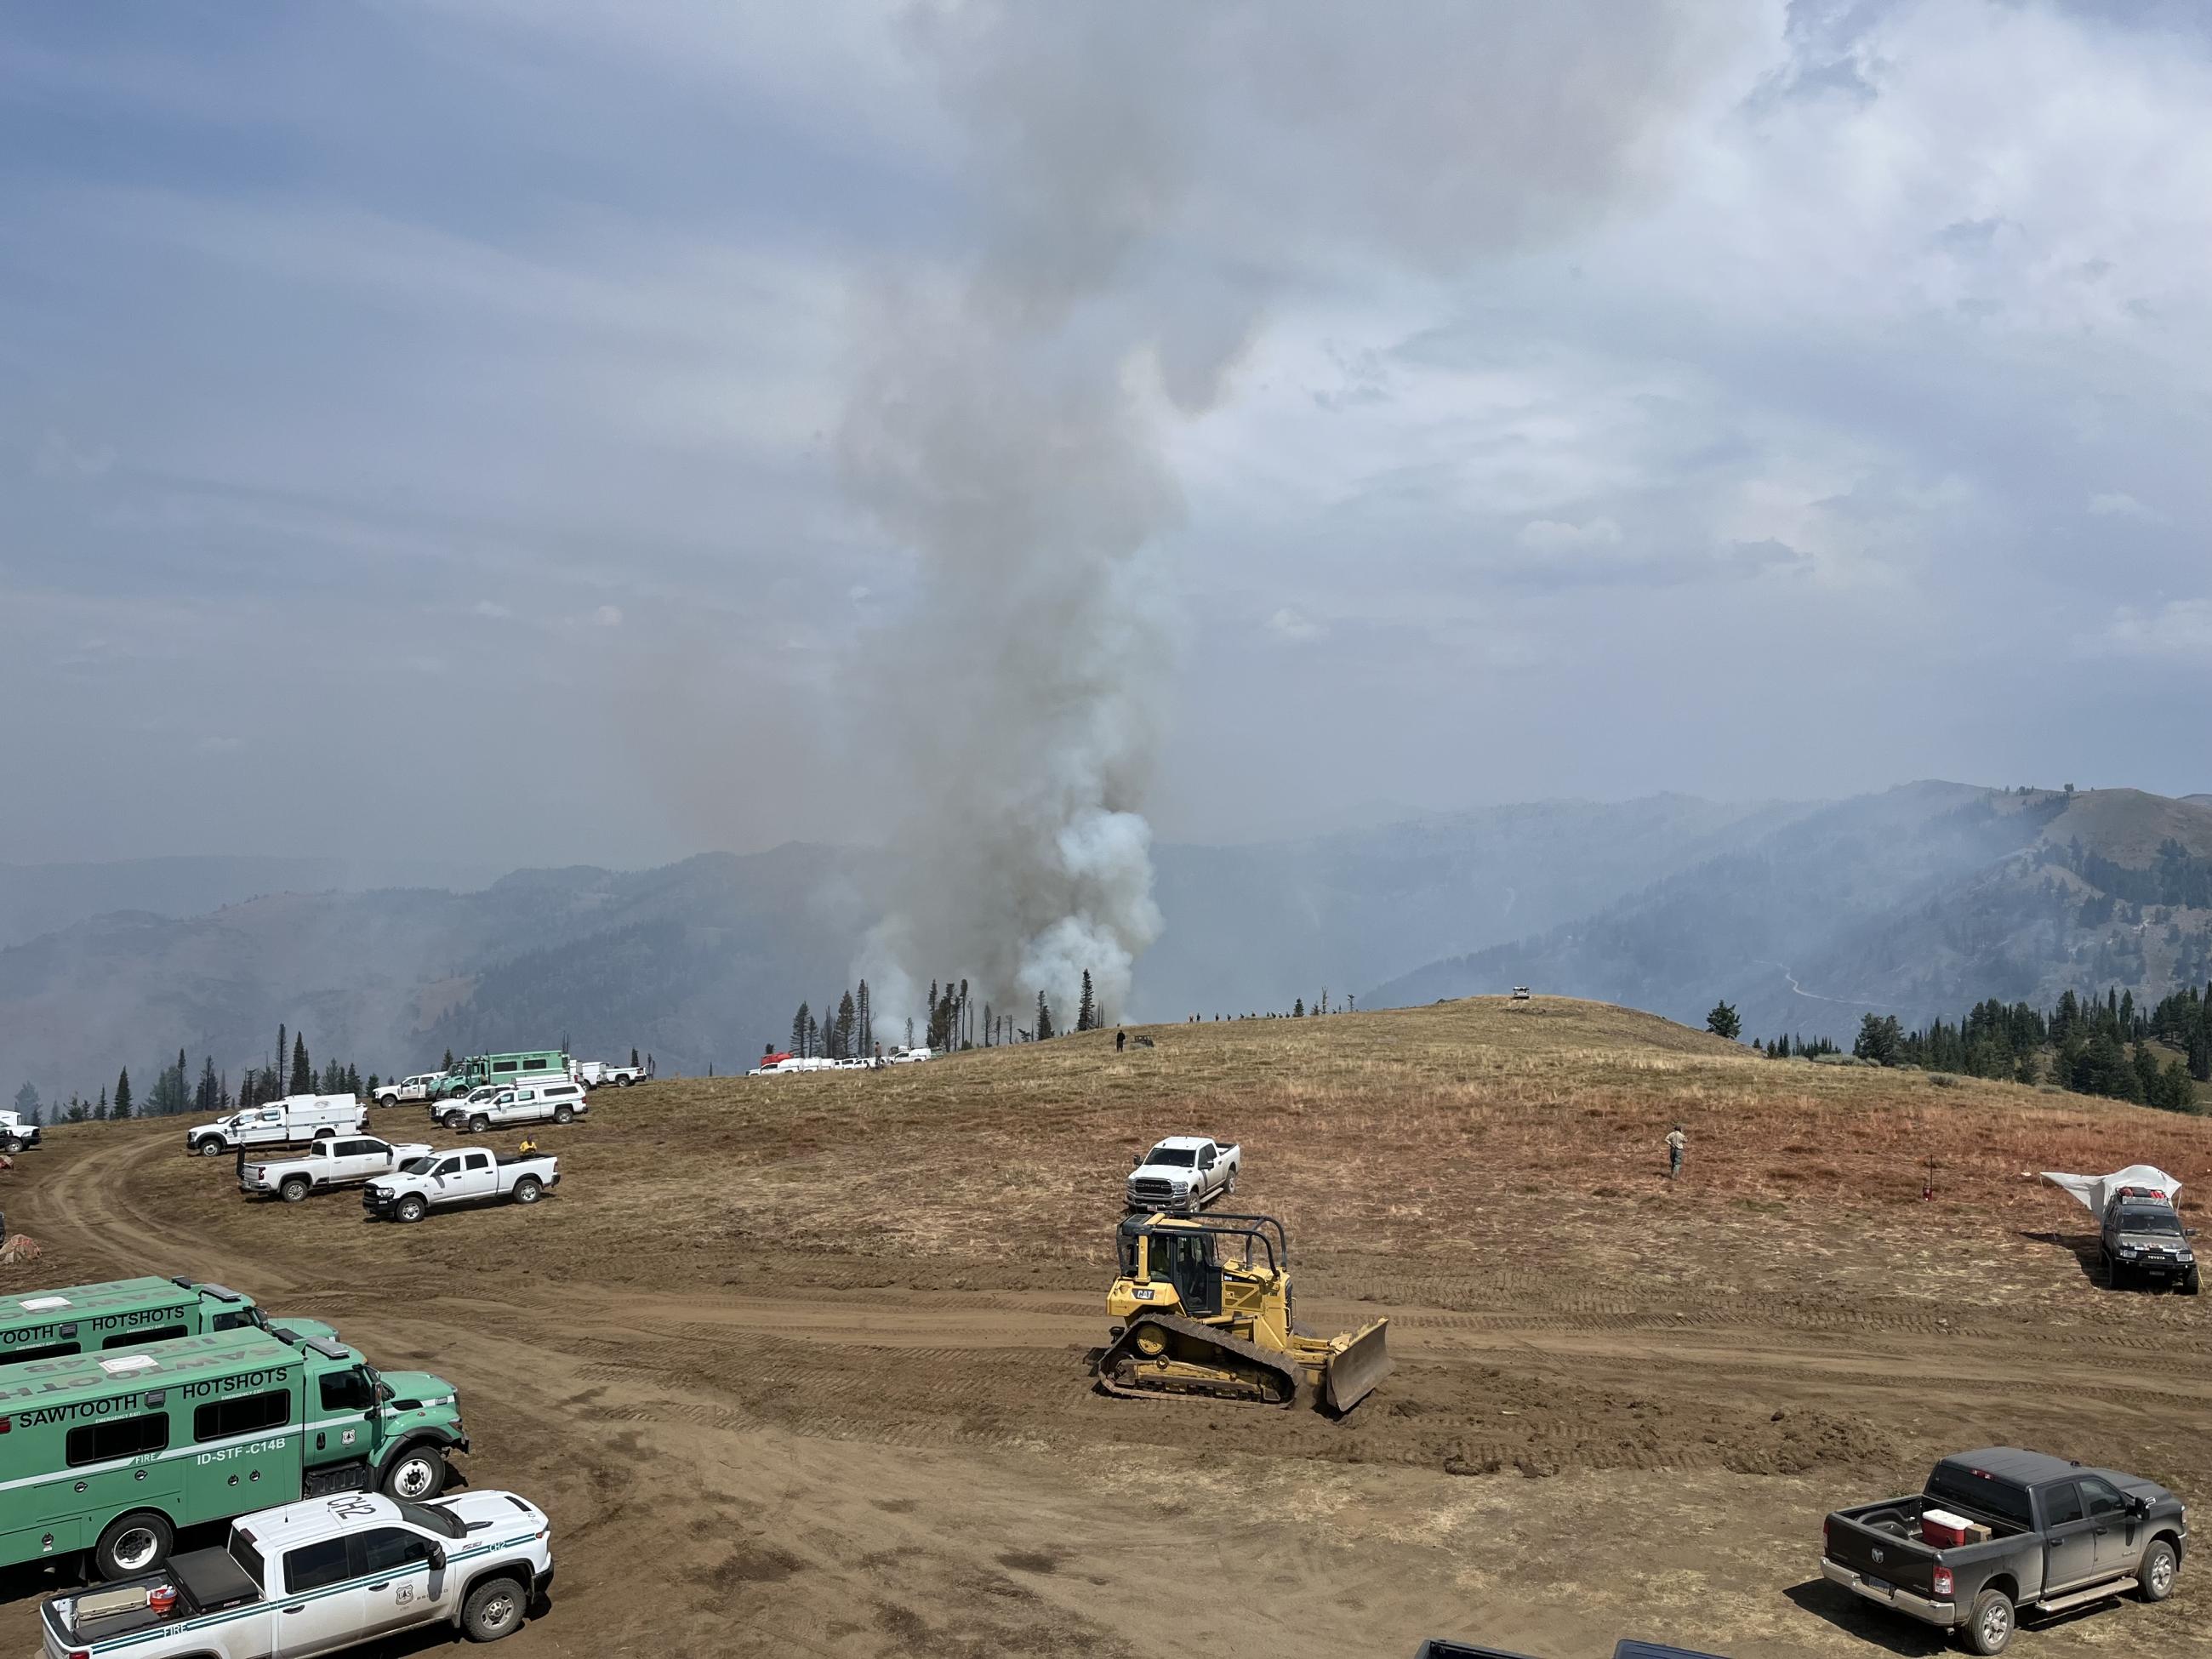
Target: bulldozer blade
{"x":1354,"y":1370}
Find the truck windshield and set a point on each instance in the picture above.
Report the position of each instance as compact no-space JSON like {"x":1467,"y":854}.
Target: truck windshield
{"x":1976,"y":1489}
{"x":1180,"y":1156}
{"x":444,"y":1522}
{"x":247,"y":1555}
{"x":2149,"y":1221}
{"x":418,"y":1165}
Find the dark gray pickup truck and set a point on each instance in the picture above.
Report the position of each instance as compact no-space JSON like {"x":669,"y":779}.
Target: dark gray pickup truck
{"x":2041,"y":1534}
{"x":2141,"y":1237}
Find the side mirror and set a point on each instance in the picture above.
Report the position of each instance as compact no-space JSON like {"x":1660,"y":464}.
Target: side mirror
{"x":1136,"y":1160}
{"x":437,"y":1557}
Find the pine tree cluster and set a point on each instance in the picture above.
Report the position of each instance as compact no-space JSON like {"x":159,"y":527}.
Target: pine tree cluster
{"x":176,"y":1090}
{"x":955,"y":1020}
{"x":2090,"y":1045}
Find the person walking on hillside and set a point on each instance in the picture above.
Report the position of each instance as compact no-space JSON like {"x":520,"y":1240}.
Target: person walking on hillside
{"x":1121,"y":1039}
{"x":1678,"y":1145}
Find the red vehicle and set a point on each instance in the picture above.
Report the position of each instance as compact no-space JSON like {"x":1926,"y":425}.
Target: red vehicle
{"x":768,"y":1060}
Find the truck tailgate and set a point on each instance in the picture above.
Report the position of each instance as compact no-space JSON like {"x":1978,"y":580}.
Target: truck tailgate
{"x":1905,"y":1564}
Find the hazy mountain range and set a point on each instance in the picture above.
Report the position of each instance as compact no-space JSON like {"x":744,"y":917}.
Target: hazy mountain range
{"x":1919,"y":899}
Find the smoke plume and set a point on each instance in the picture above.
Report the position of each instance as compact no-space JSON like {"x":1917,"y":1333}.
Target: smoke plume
{"x":1147,"y":179}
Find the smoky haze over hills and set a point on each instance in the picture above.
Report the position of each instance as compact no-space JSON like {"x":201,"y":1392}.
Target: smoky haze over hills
{"x":1918,"y":901}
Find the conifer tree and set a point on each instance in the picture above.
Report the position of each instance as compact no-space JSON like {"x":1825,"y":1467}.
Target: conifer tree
{"x":1086,"y":1012}
{"x":1043,"y":1018}
{"x":121,"y":1108}
{"x":1723,"y":1022}
{"x":303,"y":1074}
{"x":798,"y":1031}
{"x":1298,"y":1009}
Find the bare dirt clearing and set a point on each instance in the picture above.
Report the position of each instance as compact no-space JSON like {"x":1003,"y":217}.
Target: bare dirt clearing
{"x":798,"y":1364}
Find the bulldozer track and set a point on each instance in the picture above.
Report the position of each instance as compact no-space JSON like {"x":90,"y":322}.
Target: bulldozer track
{"x":1197,"y":1331}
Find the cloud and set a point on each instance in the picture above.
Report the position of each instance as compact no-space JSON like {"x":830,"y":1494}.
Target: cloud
{"x":608,"y":616}
{"x":2179,"y":628}
{"x":2114,"y":505}
{"x":1848,"y":340}
{"x":1554,"y":535}
{"x":55,"y":457}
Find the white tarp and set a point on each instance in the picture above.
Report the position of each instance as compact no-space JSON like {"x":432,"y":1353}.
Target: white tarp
{"x":2095,"y":1192}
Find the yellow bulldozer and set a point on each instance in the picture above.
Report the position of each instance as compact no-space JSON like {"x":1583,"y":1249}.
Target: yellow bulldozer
{"x":1194,"y":1317}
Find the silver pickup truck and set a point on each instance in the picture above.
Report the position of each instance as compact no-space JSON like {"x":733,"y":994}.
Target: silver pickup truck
{"x":2000,"y":1530}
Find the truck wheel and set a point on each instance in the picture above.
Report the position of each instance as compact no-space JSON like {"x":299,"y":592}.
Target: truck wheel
{"x":208,"y":1148}
{"x":564,"y":1115}
{"x":411,"y":1208}
{"x":493,"y":1609}
{"x":2189,"y":1281}
{"x":134,"y":1543}
{"x":2154,"y":1578}
{"x":1229,"y":1185}
{"x":417,"y":1474}
{"x":478,"y":1124}
{"x":1989,"y":1626}
{"x":624,"y":1082}
{"x":527,"y":1190}
{"x":293,"y":1189}
{"x":326,"y":1135}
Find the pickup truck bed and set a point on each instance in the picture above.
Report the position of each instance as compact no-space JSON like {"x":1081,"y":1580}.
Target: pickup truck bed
{"x":2040,"y":1533}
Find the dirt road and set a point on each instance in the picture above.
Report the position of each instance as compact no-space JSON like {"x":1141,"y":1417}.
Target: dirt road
{"x":1597,"y":1430}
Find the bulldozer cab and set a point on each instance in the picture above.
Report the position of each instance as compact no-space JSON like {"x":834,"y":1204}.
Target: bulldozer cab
{"x":1189,"y":1252}
{"x":1184,"y":1257}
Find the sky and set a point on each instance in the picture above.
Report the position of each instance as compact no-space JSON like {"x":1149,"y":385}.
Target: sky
{"x":429,"y":430}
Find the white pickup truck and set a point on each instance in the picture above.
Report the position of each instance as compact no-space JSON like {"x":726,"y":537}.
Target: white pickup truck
{"x":594,"y":1073}
{"x":337,"y":1162}
{"x":319,"y":1575}
{"x":14,"y":1133}
{"x":498,"y":1104}
{"x":459,"y":1176}
{"x":293,"y":1121}
{"x":1183,"y":1174}
{"x":407,"y":1090}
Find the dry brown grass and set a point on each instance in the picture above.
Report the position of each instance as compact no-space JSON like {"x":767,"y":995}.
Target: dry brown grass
{"x":1449,"y":1133}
